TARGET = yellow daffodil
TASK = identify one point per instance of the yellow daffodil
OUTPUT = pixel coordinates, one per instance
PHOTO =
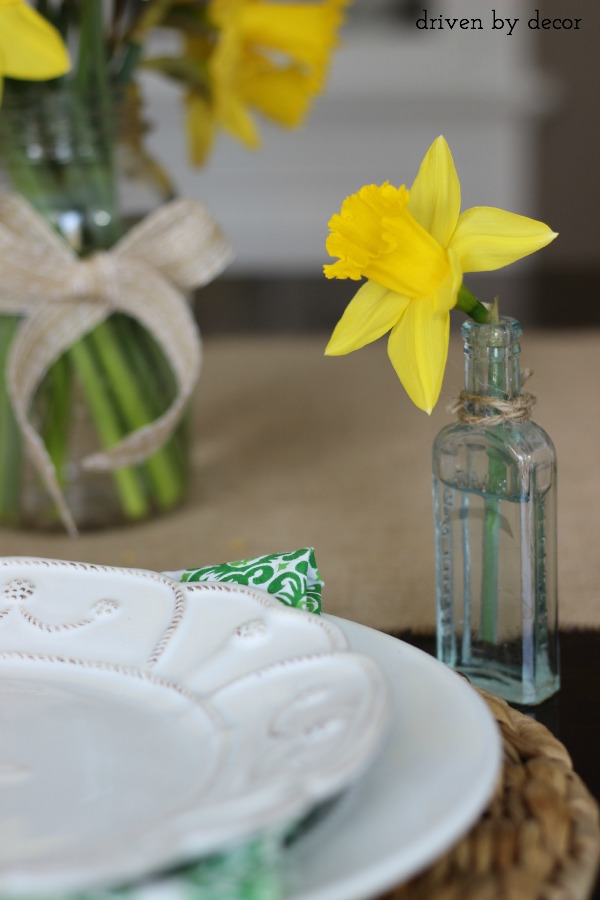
(30, 48)
(269, 57)
(413, 247)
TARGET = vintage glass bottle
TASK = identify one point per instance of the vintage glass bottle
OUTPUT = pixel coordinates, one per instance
(494, 486)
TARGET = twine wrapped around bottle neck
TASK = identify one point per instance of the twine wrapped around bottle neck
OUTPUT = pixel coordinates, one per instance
(516, 409)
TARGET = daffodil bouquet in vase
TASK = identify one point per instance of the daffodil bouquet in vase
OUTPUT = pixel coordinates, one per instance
(494, 469)
(99, 350)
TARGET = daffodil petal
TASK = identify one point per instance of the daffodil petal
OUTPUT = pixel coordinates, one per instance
(271, 58)
(30, 48)
(486, 238)
(304, 32)
(282, 94)
(199, 123)
(235, 119)
(418, 349)
(435, 193)
(371, 313)
(446, 294)
(418, 345)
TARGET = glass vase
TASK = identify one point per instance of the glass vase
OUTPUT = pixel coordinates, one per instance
(81, 163)
(494, 488)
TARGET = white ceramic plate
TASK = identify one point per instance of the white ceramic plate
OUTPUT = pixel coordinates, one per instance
(146, 722)
(430, 782)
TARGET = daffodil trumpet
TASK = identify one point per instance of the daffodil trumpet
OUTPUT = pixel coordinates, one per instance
(413, 247)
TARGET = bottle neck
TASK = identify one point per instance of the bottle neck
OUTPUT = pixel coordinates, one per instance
(492, 359)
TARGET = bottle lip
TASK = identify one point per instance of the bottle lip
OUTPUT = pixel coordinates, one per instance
(505, 333)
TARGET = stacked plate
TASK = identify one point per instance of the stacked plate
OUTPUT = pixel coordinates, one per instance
(147, 723)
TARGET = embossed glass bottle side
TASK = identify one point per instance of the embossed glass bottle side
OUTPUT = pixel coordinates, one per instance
(494, 486)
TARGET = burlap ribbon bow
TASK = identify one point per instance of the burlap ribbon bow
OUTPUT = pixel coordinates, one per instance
(63, 297)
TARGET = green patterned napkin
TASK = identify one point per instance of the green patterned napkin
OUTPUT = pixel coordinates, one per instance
(252, 870)
(292, 577)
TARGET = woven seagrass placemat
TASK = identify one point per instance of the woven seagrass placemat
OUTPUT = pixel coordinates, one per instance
(539, 838)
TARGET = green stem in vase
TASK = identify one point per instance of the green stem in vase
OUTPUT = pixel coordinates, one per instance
(57, 418)
(36, 182)
(148, 362)
(135, 410)
(491, 527)
(10, 438)
(94, 111)
(489, 575)
(128, 481)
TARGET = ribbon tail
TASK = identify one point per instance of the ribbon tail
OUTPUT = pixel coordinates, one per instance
(40, 340)
(164, 312)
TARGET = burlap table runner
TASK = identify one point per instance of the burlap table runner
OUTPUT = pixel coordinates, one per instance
(293, 449)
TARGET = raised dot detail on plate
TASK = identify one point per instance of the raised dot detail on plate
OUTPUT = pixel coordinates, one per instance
(105, 607)
(251, 630)
(18, 590)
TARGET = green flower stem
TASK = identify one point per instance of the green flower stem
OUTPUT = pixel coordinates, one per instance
(153, 371)
(90, 184)
(469, 304)
(131, 57)
(148, 361)
(151, 364)
(91, 70)
(92, 180)
(58, 415)
(135, 410)
(165, 388)
(489, 575)
(31, 181)
(129, 484)
(491, 534)
(10, 438)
